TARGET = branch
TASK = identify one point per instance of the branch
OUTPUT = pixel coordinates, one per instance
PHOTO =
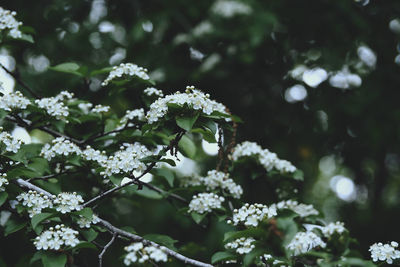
(105, 248)
(136, 180)
(46, 177)
(107, 133)
(121, 233)
(15, 76)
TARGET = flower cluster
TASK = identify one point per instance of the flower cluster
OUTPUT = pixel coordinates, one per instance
(241, 245)
(302, 209)
(330, 229)
(92, 154)
(100, 109)
(56, 237)
(385, 252)
(268, 159)
(84, 222)
(59, 146)
(12, 144)
(67, 202)
(126, 160)
(137, 252)
(55, 106)
(3, 181)
(192, 98)
(35, 202)
(8, 22)
(149, 91)
(126, 69)
(137, 114)
(251, 215)
(344, 79)
(230, 8)
(13, 100)
(304, 242)
(205, 202)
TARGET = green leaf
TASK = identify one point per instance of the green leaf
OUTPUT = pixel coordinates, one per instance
(186, 122)
(13, 225)
(187, 147)
(167, 174)
(251, 232)
(83, 244)
(90, 234)
(3, 197)
(68, 67)
(85, 212)
(38, 218)
(222, 256)
(298, 175)
(145, 192)
(162, 239)
(27, 37)
(197, 217)
(54, 259)
(252, 255)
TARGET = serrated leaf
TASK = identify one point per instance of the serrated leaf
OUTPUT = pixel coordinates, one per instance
(54, 259)
(222, 256)
(162, 239)
(3, 197)
(38, 218)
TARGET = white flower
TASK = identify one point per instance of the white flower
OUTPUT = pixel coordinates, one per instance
(66, 202)
(3, 181)
(13, 100)
(314, 77)
(241, 245)
(84, 222)
(205, 202)
(252, 214)
(60, 146)
(137, 252)
(385, 252)
(55, 106)
(367, 56)
(56, 237)
(130, 115)
(8, 22)
(230, 8)
(193, 98)
(35, 202)
(153, 91)
(302, 209)
(12, 144)
(344, 79)
(126, 69)
(304, 242)
(100, 109)
(267, 159)
(330, 229)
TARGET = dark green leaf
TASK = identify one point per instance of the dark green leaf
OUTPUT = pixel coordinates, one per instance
(68, 67)
(187, 147)
(54, 259)
(38, 218)
(186, 122)
(197, 217)
(85, 212)
(3, 197)
(222, 256)
(161, 239)
(167, 174)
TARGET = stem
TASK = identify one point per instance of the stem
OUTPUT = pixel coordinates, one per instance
(15, 76)
(105, 249)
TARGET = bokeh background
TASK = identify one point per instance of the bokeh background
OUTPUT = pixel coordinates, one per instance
(346, 140)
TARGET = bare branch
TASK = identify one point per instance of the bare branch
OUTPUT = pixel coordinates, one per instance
(105, 249)
(121, 233)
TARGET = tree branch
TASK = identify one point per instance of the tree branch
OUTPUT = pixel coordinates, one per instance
(105, 249)
(15, 76)
(121, 233)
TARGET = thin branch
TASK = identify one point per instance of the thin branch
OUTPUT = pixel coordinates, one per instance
(15, 76)
(136, 180)
(105, 249)
(46, 177)
(107, 133)
(121, 233)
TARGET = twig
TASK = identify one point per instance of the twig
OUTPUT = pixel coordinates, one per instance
(136, 180)
(46, 177)
(121, 233)
(15, 76)
(105, 249)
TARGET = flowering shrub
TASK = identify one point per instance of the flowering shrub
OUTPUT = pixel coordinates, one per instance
(44, 185)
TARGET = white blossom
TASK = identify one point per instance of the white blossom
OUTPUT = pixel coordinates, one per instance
(367, 56)
(267, 159)
(84, 222)
(344, 79)
(35, 202)
(193, 98)
(302, 209)
(66, 202)
(3, 181)
(56, 237)
(330, 229)
(304, 242)
(385, 252)
(12, 144)
(60, 146)
(205, 202)
(8, 22)
(242, 245)
(92, 154)
(230, 8)
(314, 77)
(137, 114)
(55, 106)
(126, 69)
(153, 91)
(252, 214)
(13, 100)
(100, 109)
(139, 253)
